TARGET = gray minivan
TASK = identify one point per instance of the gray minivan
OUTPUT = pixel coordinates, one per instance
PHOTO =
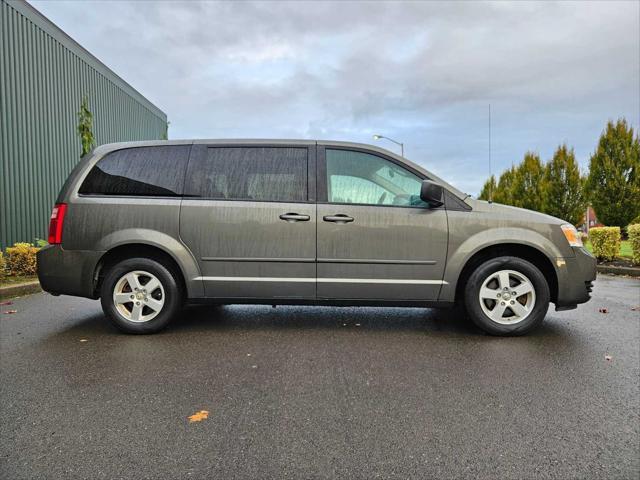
(149, 226)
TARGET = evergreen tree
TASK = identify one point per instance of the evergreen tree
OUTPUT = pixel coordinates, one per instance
(563, 187)
(488, 189)
(504, 191)
(528, 183)
(613, 184)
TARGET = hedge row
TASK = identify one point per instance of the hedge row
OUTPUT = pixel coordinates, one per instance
(633, 231)
(3, 270)
(18, 260)
(606, 242)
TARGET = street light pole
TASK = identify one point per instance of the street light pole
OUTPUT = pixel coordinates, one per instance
(378, 137)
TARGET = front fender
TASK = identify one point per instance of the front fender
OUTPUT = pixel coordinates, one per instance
(178, 251)
(461, 250)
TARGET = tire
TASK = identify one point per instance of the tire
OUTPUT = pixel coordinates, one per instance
(494, 308)
(142, 311)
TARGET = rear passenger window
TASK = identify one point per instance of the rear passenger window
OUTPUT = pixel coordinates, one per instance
(276, 174)
(140, 171)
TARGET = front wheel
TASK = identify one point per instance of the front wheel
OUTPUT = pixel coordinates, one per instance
(140, 295)
(507, 296)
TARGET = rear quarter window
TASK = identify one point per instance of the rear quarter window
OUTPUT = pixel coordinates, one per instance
(139, 171)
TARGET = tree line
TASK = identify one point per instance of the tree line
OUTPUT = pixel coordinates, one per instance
(557, 187)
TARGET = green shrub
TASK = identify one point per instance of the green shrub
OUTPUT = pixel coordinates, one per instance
(21, 259)
(3, 267)
(605, 242)
(634, 238)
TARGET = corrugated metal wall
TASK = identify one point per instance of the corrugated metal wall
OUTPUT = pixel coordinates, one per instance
(44, 75)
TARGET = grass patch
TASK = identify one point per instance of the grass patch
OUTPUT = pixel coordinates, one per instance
(15, 280)
(625, 248)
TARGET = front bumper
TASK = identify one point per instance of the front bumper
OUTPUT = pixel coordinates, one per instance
(575, 279)
(67, 272)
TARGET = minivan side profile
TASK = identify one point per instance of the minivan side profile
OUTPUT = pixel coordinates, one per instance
(149, 226)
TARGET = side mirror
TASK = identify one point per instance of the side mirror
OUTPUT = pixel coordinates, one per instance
(432, 193)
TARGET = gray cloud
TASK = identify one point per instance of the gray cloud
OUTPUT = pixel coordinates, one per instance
(422, 71)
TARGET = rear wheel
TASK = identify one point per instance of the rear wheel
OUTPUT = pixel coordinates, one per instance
(507, 296)
(140, 295)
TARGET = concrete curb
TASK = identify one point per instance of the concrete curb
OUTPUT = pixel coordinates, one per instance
(611, 270)
(19, 289)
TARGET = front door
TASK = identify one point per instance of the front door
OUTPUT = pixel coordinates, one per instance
(376, 239)
(248, 219)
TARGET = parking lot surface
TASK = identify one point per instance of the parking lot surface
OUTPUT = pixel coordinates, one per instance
(311, 392)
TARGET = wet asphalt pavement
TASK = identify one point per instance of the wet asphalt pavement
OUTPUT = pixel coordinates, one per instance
(306, 392)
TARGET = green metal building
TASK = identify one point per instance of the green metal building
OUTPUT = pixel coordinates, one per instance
(44, 75)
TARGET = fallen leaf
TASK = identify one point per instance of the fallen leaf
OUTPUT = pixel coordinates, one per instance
(6, 303)
(199, 416)
(11, 311)
(603, 310)
(608, 358)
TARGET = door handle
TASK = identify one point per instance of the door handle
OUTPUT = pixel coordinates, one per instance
(340, 218)
(294, 217)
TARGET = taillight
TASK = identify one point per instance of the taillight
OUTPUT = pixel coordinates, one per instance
(56, 222)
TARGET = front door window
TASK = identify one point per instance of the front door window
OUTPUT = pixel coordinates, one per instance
(364, 179)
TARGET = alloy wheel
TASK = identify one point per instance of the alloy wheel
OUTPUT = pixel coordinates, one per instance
(138, 296)
(507, 297)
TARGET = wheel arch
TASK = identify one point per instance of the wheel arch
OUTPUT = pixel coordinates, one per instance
(519, 250)
(144, 250)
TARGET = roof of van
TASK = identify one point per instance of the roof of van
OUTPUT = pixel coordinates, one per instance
(102, 149)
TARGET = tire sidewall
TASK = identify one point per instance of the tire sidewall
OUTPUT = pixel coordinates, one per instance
(480, 274)
(172, 294)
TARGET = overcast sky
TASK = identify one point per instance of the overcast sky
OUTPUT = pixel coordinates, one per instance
(421, 72)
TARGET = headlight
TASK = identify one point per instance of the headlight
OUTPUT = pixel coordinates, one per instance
(572, 235)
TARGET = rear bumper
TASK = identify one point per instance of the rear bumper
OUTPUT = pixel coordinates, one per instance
(67, 272)
(575, 279)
